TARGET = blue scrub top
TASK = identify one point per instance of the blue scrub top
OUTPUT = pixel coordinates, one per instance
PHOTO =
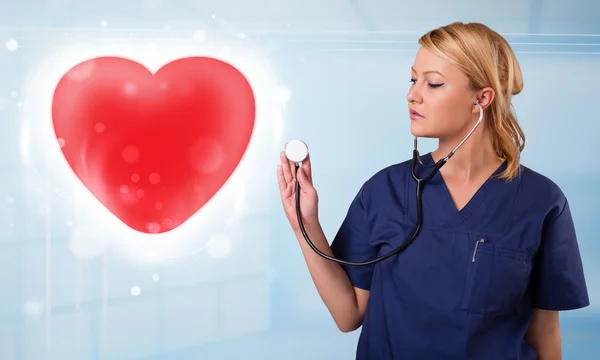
(465, 288)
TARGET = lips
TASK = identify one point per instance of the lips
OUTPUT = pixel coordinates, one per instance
(415, 115)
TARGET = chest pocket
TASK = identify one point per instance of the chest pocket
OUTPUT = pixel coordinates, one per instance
(497, 279)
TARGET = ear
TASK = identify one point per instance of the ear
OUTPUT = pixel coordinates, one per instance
(485, 97)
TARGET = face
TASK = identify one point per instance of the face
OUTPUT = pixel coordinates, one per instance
(440, 101)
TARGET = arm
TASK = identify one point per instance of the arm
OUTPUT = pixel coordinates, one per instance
(344, 291)
(345, 303)
(558, 283)
(543, 334)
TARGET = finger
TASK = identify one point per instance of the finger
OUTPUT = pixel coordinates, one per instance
(280, 179)
(287, 173)
(306, 165)
(285, 190)
(292, 166)
(303, 180)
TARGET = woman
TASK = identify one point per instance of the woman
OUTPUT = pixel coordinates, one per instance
(497, 255)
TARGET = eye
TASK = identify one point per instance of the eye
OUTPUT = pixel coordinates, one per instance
(430, 85)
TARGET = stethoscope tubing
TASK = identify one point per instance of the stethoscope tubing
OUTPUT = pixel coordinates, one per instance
(420, 181)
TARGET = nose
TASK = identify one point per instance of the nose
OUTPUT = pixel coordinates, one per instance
(414, 95)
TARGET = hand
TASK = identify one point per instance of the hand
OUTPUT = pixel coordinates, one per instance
(286, 177)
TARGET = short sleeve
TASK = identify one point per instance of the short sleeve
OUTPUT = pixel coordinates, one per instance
(558, 281)
(351, 243)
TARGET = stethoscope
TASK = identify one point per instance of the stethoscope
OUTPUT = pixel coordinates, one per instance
(296, 151)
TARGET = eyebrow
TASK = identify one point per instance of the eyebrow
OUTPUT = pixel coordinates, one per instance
(428, 71)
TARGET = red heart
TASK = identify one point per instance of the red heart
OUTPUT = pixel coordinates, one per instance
(155, 148)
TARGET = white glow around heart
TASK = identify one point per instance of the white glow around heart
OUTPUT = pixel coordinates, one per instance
(250, 183)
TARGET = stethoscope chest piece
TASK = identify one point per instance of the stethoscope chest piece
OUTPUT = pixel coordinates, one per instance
(296, 151)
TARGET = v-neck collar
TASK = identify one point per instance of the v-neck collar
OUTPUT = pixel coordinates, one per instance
(443, 198)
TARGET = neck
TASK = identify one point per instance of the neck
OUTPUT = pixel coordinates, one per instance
(475, 157)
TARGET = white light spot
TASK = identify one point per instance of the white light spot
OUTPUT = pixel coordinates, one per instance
(10, 200)
(206, 155)
(220, 246)
(130, 154)
(61, 142)
(214, 16)
(167, 223)
(154, 178)
(104, 23)
(135, 291)
(135, 178)
(32, 309)
(130, 88)
(99, 127)
(200, 36)
(13, 93)
(153, 227)
(242, 35)
(12, 44)
(155, 277)
(124, 189)
(158, 205)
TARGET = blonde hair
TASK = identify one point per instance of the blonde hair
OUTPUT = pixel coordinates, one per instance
(488, 61)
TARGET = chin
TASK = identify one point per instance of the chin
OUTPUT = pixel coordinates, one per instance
(422, 132)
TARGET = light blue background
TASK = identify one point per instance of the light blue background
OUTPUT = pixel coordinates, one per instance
(346, 63)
